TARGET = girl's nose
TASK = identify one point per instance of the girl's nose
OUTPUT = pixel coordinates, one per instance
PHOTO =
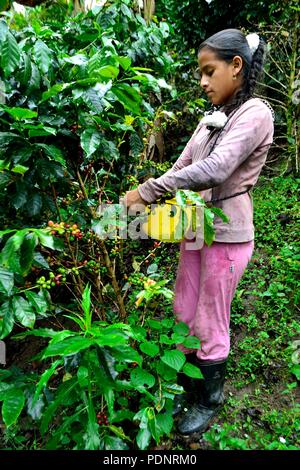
(203, 82)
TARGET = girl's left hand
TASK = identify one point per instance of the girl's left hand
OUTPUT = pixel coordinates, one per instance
(133, 197)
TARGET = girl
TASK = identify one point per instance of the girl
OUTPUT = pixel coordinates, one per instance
(223, 163)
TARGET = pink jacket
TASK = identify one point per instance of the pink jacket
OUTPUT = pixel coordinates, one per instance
(233, 166)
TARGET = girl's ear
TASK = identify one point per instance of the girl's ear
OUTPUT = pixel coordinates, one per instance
(237, 64)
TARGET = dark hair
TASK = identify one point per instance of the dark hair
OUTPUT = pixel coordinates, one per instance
(231, 42)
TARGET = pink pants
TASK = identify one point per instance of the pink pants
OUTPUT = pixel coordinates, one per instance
(205, 285)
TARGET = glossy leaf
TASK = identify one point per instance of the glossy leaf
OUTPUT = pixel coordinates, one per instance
(10, 54)
(149, 348)
(46, 375)
(192, 371)
(6, 319)
(128, 96)
(42, 55)
(67, 346)
(174, 359)
(90, 141)
(86, 306)
(20, 113)
(27, 252)
(12, 406)
(140, 378)
(38, 301)
(6, 281)
(23, 311)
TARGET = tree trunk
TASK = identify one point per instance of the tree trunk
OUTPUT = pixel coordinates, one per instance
(149, 8)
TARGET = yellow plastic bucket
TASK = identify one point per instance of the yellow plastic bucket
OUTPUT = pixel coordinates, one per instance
(169, 222)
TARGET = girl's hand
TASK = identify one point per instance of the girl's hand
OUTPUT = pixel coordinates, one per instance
(133, 197)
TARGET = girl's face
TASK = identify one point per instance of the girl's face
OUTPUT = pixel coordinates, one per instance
(217, 76)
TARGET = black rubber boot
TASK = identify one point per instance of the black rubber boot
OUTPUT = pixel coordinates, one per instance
(210, 399)
(186, 399)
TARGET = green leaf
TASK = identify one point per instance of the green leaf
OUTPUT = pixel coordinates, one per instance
(181, 198)
(125, 62)
(34, 204)
(217, 211)
(93, 97)
(86, 306)
(20, 113)
(164, 339)
(54, 90)
(91, 437)
(167, 323)
(4, 180)
(64, 391)
(44, 380)
(27, 253)
(111, 339)
(68, 346)
(77, 59)
(10, 54)
(41, 332)
(128, 96)
(140, 378)
(191, 342)
(169, 389)
(6, 281)
(209, 233)
(36, 410)
(126, 11)
(114, 443)
(7, 137)
(152, 268)
(83, 375)
(43, 131)
(45, 239)
(10, 254)
(174, 359)
(4, 374)
(20, 169)
(53, 153)
(12, 406)
(127, 354)
(143, 438)
(194, 198)
(154, 324)
(192, 371)
(26, 69)
(90, 140)
(6, 319)
(40, 261)
(181, 328)
(164, 422)
(23, 311)
(177, 339)
(35, 79)
(108, 71)
(19, 199)
(38, 301)
(42, 54)
(295, 369)
(151, 349)
(3, 24)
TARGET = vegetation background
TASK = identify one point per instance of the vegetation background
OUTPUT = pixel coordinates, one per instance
(93, 100)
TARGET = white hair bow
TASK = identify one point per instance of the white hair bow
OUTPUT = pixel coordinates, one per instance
(253, 42)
